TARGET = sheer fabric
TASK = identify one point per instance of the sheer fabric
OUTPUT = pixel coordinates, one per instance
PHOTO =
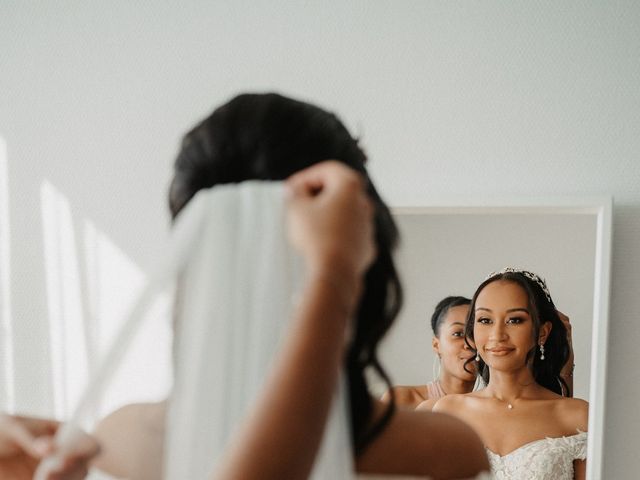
(235, 302)
(545, 459)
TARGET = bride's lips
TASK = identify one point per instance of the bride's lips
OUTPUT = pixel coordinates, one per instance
(500, 351)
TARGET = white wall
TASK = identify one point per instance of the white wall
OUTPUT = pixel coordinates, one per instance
(471, 98)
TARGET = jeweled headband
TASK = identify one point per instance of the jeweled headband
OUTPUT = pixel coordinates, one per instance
(530, 275)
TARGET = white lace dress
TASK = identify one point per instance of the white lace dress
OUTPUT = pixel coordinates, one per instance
(544, 459)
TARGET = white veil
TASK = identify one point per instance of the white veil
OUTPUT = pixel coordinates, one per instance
(235, 302)
(237, 280)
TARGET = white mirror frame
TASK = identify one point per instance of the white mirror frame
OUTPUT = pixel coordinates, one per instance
(602, 208)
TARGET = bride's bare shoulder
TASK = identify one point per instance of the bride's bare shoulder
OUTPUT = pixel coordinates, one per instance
(436, 441)
(574, 412)
(452, 402)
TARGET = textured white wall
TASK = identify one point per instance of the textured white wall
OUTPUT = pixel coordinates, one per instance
(471, 98)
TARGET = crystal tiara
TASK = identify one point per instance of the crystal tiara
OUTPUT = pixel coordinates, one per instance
(530, 275)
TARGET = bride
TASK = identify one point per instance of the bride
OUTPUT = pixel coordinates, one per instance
(530, 431)
(350, 296)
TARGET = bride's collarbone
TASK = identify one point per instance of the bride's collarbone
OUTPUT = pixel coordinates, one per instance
(550, 406)
(504, 430)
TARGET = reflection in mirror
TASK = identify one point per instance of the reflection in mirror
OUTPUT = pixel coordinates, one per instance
(450, 251)
(445, 255)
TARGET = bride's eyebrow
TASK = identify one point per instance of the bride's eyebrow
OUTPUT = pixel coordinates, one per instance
(511, 310)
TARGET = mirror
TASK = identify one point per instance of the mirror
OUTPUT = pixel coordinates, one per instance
(449, 249)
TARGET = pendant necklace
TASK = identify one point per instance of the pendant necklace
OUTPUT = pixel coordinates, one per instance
(509, 404)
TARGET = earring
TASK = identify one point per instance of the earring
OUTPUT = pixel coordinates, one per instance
(542, 351)
(436, 368)
(477, 357)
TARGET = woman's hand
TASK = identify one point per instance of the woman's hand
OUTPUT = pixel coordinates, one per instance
(25, 441)
(567, 370)
(330, 218)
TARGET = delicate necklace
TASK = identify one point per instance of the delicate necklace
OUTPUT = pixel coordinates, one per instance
(509, 404)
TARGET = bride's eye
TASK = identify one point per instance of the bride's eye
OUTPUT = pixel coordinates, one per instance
(515, 320)
(483, 320)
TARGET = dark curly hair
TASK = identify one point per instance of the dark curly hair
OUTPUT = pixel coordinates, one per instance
(542, 309)
(270, 137)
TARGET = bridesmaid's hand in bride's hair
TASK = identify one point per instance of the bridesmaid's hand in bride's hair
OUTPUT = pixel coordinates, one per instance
(567, 325)
(330, 218)
(567, 369)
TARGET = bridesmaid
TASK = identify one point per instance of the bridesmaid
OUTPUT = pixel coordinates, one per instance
(447, 323)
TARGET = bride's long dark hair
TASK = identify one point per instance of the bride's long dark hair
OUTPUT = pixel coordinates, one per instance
(270, 137)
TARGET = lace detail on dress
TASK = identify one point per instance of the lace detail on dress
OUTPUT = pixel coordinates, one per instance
(544, 459)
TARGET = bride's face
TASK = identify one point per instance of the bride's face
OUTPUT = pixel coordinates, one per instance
(503, 327)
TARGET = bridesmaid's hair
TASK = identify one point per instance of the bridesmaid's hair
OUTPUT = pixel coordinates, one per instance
(441, 310)
(541, 309)
(270, 137)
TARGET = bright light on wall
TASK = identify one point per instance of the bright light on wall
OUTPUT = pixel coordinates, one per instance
(67, 332)
(91, 284)
(7, 393)
(113, 282)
